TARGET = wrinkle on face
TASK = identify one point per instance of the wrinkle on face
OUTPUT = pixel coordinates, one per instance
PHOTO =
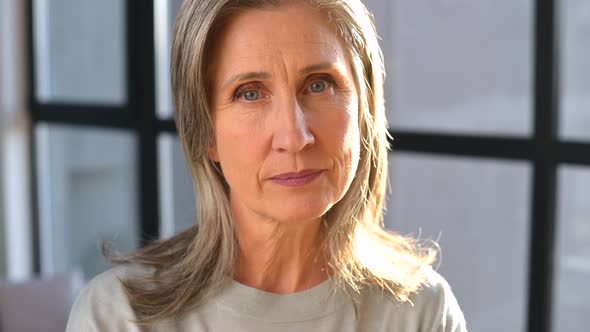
(279, 53)
(274, 47)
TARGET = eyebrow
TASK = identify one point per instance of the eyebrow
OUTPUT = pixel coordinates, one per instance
(316, 67)
(262, 75)
(253, 75)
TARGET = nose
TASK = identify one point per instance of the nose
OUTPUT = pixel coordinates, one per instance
(291, 128)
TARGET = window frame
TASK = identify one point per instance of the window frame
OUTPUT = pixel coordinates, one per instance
(544, 150)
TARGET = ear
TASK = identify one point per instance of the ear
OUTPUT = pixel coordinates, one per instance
(213, 154)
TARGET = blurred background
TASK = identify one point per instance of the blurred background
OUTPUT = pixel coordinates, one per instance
(488, 103)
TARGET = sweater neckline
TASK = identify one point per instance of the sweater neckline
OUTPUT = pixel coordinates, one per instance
(257, 304)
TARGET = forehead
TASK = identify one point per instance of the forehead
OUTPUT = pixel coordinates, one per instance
(296, 30)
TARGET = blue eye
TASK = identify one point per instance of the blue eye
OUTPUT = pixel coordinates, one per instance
(318, 86)
(251, 95)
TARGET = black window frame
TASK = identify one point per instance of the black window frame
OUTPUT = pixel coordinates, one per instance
(543, 150)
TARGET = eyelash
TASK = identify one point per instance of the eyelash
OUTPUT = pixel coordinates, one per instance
(246, 87)
(327, 78)
(258, 86)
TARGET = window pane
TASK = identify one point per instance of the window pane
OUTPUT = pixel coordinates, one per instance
(457, 66)
(165, 13)
(80, 51)
(87, 193)
(177, 197)
(575, 69)
(478, 211)
(572, 304)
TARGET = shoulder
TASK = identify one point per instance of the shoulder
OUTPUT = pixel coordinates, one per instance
(103, 305)
(441, 311)
(432, 308)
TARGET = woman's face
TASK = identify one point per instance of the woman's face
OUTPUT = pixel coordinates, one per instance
(285, 109)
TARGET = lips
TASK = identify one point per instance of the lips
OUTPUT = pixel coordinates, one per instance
(295, 175)
(297, 178)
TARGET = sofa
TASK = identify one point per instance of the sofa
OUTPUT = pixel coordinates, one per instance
(39, 305)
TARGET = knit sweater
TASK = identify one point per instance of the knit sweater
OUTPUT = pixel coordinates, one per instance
(103, 306)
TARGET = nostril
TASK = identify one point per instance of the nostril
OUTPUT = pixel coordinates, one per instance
(292, 140)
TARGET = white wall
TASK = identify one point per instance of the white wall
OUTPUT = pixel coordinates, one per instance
(15, 196)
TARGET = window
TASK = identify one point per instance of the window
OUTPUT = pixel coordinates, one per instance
(488, 106)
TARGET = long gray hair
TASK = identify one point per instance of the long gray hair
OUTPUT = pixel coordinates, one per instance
(191, 266)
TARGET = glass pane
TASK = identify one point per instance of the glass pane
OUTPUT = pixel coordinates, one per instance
(457, 66)
(177, 196)
(478, 210)
(572, 265)
(575, 69)
(165, 12)
(80, 51)
(87, 194)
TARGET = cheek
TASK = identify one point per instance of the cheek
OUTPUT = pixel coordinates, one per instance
(352, 139)
(352, 146)
(340, 131)
(350, 135)
(233, 136)
(239, 150)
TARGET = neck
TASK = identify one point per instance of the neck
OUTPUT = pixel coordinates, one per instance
(279, 257)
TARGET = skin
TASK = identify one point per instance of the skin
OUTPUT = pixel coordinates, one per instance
(283, 100)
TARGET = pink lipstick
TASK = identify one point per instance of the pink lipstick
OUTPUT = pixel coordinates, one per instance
(295, 179)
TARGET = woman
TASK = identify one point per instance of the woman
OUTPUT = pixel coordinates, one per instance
(280, 113)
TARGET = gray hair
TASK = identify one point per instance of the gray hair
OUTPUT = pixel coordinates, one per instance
(193, 265)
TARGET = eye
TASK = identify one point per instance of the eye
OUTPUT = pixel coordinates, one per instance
(318, 86)
(250, 92)
(251, 95)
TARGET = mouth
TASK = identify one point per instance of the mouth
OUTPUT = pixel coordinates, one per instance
(294, 179)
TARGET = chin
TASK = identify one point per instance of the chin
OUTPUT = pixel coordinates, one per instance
(298, 218)
(300, 211)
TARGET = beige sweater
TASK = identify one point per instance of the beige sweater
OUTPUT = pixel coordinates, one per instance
(102, 306)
